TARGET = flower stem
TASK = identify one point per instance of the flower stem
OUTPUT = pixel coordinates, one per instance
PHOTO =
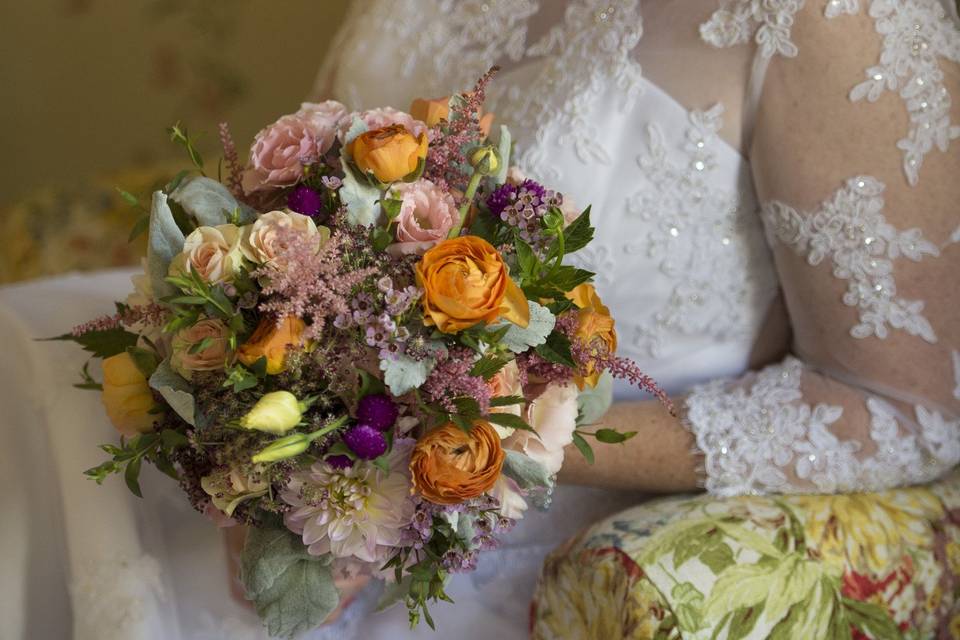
(336, 424)
(467, 201)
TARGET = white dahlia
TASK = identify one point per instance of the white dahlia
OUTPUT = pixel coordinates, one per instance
(356, 512)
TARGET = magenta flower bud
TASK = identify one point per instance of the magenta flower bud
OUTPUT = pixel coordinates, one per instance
(378, 411)
(365, 441)
(305, 200)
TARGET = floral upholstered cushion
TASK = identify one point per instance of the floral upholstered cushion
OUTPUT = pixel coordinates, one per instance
(880, 565)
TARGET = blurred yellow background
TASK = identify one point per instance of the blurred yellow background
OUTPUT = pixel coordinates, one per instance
(90, 85)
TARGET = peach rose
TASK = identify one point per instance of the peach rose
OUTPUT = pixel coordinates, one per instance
(433, 110)
(504, 383)
(553, 415)
(127, 396)
(213, 253)
(449, 465)
(213, 357)
(465, 281)
(272, 342)
(263, 243)
(427, 212)
(595, 328)
(281, 150)
(390, 154)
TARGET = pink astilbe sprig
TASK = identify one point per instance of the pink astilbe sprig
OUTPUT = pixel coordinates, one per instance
(148, 314)
(232, 160)
(446, 161)
(312, 285)
(451, 379)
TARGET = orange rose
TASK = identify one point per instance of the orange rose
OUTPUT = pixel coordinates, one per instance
(390, 153)
(127, 396)
(465, 281)
(450, 465)
(272, 342)
(595, 328)
(433, 110)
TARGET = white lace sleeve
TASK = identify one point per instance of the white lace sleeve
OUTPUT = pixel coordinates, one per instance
(865, 240)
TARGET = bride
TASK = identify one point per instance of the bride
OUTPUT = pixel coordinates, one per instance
(778, 235)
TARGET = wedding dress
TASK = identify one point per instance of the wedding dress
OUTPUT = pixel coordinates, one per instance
(648, 112)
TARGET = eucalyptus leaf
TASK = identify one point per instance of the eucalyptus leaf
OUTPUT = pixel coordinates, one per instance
(360, 197)
(175, 390)
(527, 472)
(165, 242)
(210, 202)
(518, 339)
(292, 591)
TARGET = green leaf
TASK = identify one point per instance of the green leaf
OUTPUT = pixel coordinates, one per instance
(504, 147)
(526, 259)
(585, 450)
(718, 556)
(144, 359)
(165, 243)
(506, 401)
(509, 421)
(404, 374)
(738, 587)
(488, 366)
(566, 277)
(527, 472)
(129, 198)
(139, 227)
(360, 198)
(176, 391)
(872, 619)
(557, 349)
(518, 339)
(102, 344)
(579, 234)
(612, 436)
(391, 207)
(132, 476)
(210, 202)
(292, 591)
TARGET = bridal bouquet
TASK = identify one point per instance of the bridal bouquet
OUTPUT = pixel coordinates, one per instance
(364, 344)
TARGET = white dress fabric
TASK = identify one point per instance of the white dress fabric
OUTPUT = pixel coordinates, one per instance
(687, 257)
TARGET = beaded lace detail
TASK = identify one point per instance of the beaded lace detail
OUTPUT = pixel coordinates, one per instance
(704, 240)
(768, 21)
(852, 232)
(765, 439)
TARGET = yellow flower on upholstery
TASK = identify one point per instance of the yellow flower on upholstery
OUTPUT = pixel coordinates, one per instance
(465, 281)
(390, 154)
(127, 396)
(870, 531)
(595, 328)
(955, 627)
(272, 341)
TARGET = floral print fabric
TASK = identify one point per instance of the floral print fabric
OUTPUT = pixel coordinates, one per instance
(872, 565)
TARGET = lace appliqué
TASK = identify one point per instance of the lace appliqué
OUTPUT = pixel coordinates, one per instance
(852, 232)
(705, 241)
(763, 439)
(768, 21)
(915, 33)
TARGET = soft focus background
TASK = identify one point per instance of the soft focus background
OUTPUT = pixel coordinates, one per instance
(89, 87)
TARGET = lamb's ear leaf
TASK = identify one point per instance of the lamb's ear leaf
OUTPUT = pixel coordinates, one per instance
(176, 391)
(527, 472)
(291, 590)
(210, 202)
(166, 242)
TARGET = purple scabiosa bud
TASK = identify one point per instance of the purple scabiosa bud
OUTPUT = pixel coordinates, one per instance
(365, 441)
(305, 200)
(339, 461)
(378, 411)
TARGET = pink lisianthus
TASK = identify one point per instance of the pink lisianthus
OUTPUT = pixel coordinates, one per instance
(427, 212)
(281, 150)
(384, 117)
(553, 416)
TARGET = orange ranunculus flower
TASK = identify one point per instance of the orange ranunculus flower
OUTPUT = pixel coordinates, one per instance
(272, 341)
(449, 465)
(595, 328)
(127, 396)
(390, 153)
(433, 110)
(465, 281)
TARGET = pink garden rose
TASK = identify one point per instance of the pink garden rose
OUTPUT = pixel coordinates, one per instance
(281, 150)
(427, 212)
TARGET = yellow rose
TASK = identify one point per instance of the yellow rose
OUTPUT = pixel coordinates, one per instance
(595, 328)
(433, 110)
(272, 342)
(449, 465)
(127, 396)
(465, 281)
(390, 153)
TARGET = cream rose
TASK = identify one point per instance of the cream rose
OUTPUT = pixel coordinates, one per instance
(263, 240)
(213, 253)
(213, 357)
(553, 415)
(427, 212)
